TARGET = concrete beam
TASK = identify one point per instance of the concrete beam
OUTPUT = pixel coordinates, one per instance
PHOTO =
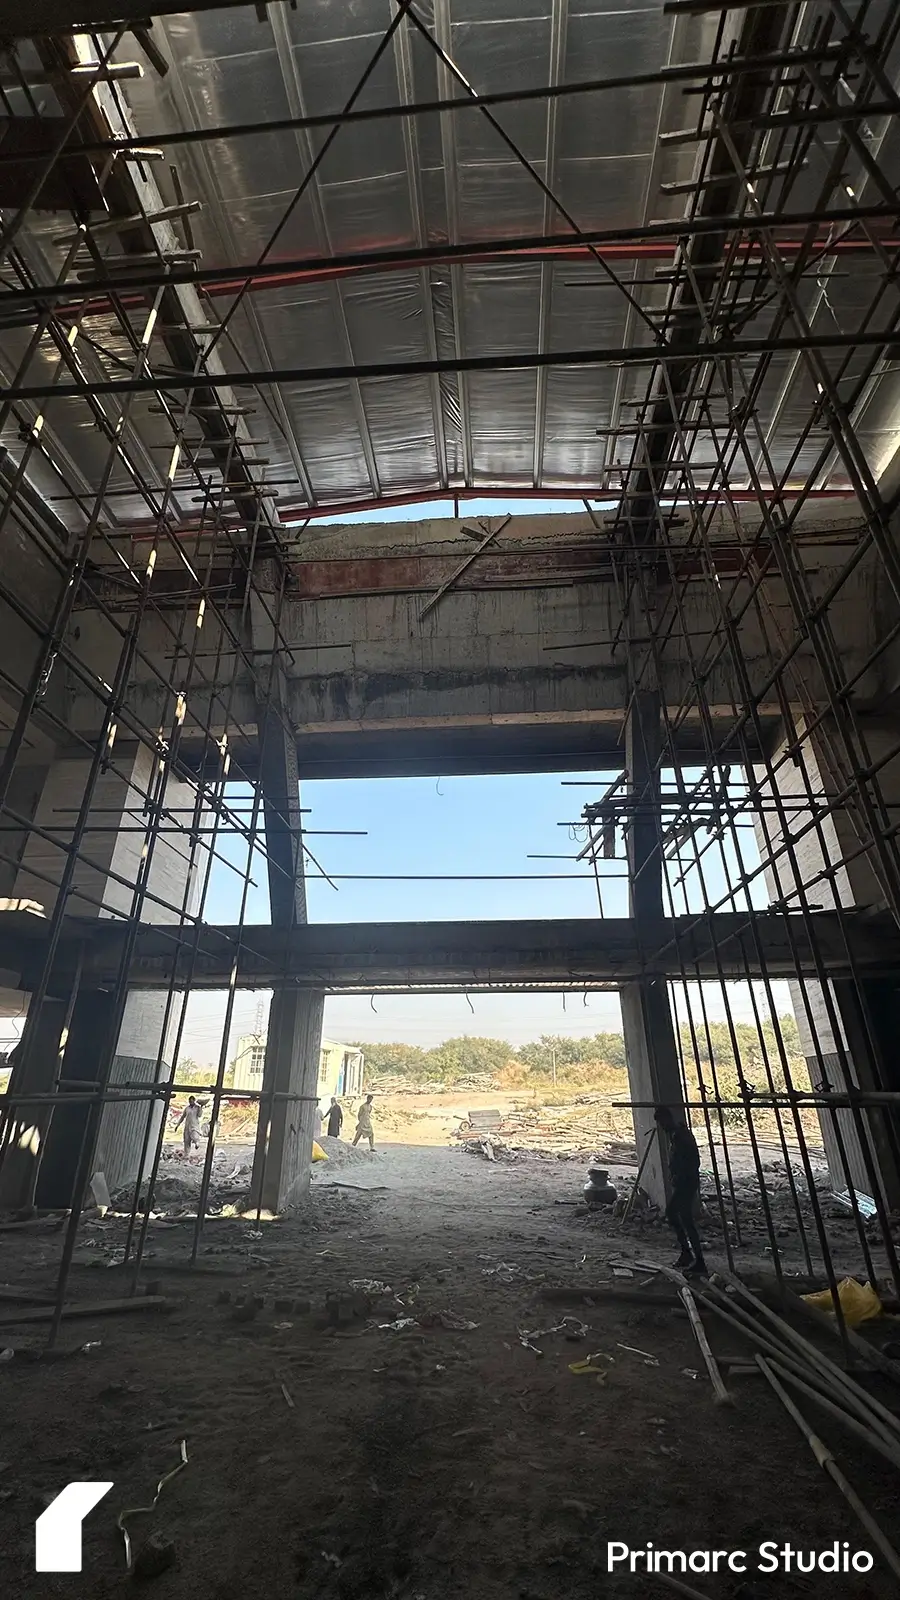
(359, 957)
(516, 664)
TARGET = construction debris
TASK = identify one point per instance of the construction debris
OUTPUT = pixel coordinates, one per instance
(125, 1516)
(828, 1463)
(588, 1368)
(448, 1319)
(572, 1327)
(155, 1556)
(796, 1362)
(510, 1272)
(580, 1131)
(647, 1358)
(858, 1302)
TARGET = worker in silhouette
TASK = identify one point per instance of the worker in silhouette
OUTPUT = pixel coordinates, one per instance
(364, 1129)
(335, 1119)
(684, 1175)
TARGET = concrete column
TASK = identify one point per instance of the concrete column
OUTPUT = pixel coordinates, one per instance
(286, 1128)
(281, 1163)
(651, 1051)
(869, 1013)
(652, 1061)
(72, 1134)
(848, 1030)
(103, 887)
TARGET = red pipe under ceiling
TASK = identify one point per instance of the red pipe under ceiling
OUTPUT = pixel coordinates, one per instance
(620, 250)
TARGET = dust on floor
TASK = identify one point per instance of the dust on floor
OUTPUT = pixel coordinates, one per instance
(419, 1462)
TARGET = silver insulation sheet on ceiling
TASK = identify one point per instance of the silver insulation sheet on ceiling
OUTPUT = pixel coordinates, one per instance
(424, 181)
(434, 179)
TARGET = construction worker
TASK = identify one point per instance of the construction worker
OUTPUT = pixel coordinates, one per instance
(684, 1174)
(190, 1116)
(364, 1129)
(335, 1117)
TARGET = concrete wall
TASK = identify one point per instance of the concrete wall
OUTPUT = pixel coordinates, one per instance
(103, 882)
(36, 582)
(852, 878)
(499, 649)
(103, 887)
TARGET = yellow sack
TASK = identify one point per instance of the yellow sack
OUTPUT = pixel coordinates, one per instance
(859, 1302)
(318, 1154)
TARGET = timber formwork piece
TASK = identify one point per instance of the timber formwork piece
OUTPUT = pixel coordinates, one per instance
(740, 400)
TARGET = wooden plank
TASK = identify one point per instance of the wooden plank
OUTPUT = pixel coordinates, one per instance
(34, 1225)
(21, 1296)
(610, 1292)
(87, 1308)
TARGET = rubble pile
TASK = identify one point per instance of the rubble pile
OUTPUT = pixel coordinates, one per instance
(179, 1180)
(580, 1130)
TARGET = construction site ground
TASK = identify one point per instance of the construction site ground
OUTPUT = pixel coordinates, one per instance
(347, 1460)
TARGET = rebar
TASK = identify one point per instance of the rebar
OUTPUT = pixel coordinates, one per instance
(727, 598)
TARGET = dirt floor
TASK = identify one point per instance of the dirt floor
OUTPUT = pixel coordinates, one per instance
(345, 1460)
(430, 1117)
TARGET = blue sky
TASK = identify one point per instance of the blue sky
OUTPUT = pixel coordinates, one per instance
(433, 828)
(485, 827)
(414, 830)
(467, 508)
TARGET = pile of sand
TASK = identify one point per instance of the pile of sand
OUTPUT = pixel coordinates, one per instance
(341, 1154)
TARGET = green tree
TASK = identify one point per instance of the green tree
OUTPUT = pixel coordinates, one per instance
(396, 1061)
(608, 1048)
(459, 1058)
(574, 1057)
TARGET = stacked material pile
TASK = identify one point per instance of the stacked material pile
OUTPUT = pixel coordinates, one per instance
(582, 1128)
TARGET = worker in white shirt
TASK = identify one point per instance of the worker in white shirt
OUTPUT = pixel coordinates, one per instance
(190, 1116)
(364, 1129)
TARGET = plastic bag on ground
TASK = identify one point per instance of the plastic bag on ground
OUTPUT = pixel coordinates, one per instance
(859, 1302)
(318, 1154)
